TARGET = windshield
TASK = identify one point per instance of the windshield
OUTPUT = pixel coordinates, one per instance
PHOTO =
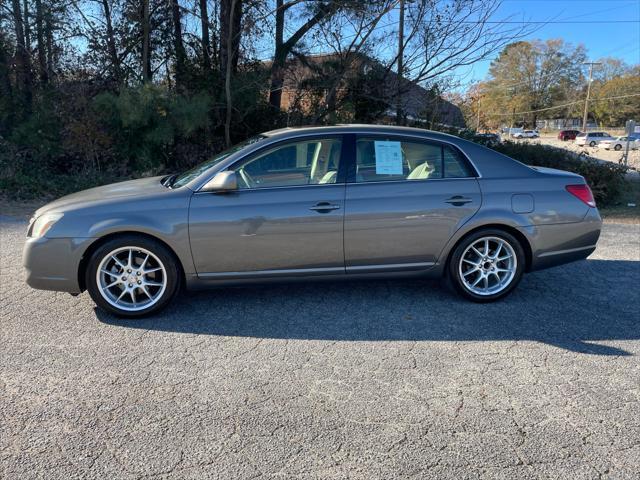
(185, 177)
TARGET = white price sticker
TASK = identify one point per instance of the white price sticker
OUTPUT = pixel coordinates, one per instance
(388, 158)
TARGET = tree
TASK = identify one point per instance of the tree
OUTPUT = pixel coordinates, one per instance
(230, 34)
(230, 13)
(6, 91)
(111, 42)
(145, 23)
(441, 36)
(319, 11)
(40, 34)
(178, 45)
(616, 112)
(23, 59)
(529, 76)
(206, 42)
(609, 68)
(347, 84)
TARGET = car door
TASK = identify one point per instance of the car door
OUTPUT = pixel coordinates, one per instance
(286, 218)
(404, 201)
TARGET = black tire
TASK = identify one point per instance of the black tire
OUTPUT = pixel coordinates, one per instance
(617, 147)
(453, 270)
(592, 144)
(171, 269)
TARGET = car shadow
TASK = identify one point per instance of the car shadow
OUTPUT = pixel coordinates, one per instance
(569, 307)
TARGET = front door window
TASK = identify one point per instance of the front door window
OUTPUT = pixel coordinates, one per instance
(309, 162)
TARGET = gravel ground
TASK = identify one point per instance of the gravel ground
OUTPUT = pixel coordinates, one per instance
(381, 379)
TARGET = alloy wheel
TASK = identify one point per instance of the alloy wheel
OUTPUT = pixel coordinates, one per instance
(131, 278)
(487, 266)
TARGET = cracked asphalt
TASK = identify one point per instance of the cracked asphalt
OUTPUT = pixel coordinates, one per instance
(379, 379)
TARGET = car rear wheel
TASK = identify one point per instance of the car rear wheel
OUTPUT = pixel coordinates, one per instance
(132, 276)
(487, 265)
(592, 144)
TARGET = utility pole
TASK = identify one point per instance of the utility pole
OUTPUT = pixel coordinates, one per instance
(400, 64)
(478, 121)
(586, 102)
(513, 116)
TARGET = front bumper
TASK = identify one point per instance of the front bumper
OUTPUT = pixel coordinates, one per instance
(53, 263)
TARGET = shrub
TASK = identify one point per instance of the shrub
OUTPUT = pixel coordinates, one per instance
(147, 122)
(605, 179)
(24, 176)
(39, 133)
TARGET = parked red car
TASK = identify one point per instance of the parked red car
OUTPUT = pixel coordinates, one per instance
(565, 135)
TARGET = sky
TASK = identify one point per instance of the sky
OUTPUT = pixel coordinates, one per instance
(601, 39)
(605, 28)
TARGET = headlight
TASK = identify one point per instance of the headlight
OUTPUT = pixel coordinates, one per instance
(41, 225)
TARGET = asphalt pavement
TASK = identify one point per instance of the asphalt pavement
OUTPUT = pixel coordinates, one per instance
(367, 380)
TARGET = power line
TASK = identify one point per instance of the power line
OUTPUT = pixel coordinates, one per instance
(528, 22)
(560, 106)
(514, 22)
(569, 1)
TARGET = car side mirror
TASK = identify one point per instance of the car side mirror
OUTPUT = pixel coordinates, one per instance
(226, 181)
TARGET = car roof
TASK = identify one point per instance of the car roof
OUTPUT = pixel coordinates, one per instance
(360, 128)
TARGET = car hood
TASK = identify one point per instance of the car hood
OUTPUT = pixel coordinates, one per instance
(141, 187)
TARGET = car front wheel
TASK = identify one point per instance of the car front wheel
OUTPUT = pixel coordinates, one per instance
(592, 144)
(487, 265)
(132, 276)
(618, 147)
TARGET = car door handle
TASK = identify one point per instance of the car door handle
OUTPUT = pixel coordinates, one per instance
(324, 207)
(458, 200)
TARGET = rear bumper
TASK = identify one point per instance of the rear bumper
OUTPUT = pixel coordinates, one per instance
(52, 263)
(557, 244)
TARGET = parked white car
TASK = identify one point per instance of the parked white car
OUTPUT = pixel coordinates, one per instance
(526, 134)
(620, 143)
(512, 131)
(592, 138)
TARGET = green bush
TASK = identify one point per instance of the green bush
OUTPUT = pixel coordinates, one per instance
(147, 122)
(605, 179)
(46, 187)
(39, 133)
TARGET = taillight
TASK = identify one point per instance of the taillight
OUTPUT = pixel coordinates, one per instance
(583, 192)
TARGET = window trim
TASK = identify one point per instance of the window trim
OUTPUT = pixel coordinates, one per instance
(351, 180)
(341, 175)
(348, 167)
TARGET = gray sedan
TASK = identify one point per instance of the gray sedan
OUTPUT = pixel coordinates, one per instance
(325, 203)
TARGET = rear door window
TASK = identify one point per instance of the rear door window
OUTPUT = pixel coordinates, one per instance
(396, 159)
